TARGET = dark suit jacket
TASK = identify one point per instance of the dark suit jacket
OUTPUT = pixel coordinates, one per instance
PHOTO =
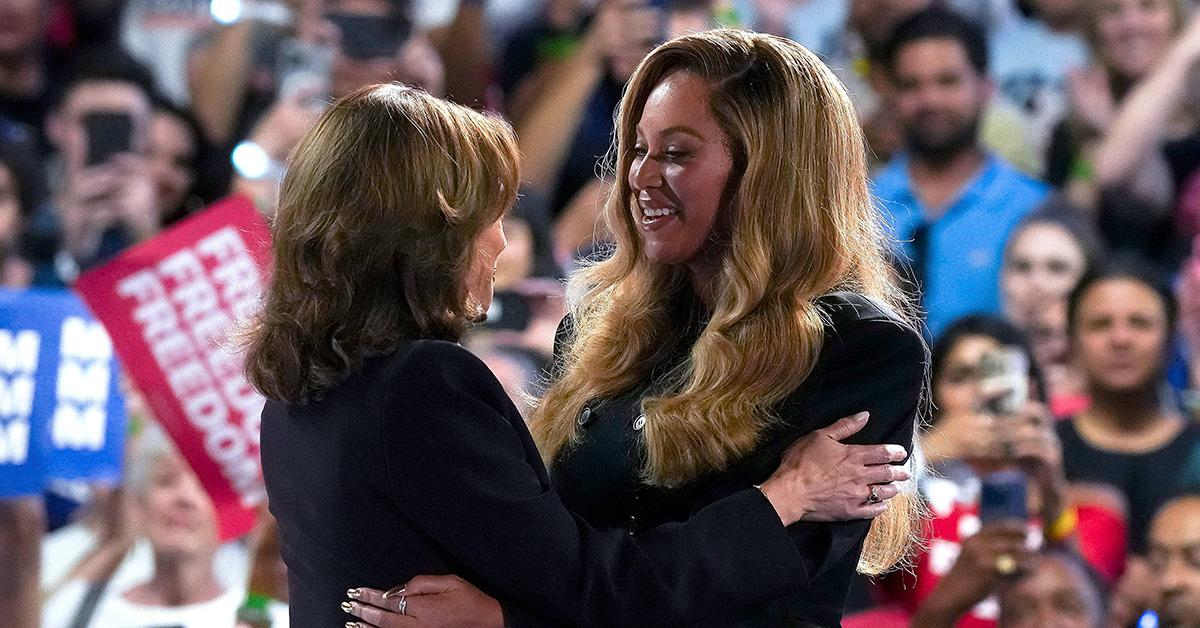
(869, 361)
(420, 464)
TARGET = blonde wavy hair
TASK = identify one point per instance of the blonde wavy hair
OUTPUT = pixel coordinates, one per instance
(804, 225)
(379, 212)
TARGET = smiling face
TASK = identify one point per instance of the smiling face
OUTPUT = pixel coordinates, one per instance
(679, 172)
(1132, 34)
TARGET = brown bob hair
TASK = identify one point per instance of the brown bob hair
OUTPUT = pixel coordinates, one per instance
(374, 234)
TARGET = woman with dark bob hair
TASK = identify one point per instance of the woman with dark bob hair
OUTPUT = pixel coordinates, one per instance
(390, 451)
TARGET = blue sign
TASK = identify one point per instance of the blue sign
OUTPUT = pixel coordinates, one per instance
(61, 411)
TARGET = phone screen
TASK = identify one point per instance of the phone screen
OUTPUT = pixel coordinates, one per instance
(372, 36)
(1004, 381)
(1002, 495)
(108, 133)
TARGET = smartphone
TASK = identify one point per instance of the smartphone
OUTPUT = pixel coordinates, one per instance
(304, 68)
(1004, 381)
(372, 36)
(108, 133)
(509, 311)
(1002, 496)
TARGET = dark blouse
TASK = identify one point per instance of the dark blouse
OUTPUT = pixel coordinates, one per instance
(1147, 480)
(869, 361)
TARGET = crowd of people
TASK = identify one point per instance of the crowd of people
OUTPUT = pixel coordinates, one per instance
(1036, 163)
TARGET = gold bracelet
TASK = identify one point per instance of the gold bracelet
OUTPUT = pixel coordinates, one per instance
(1064, 526)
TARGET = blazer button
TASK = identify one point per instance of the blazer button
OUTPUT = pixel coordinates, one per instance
(585, 417)
(639, 423)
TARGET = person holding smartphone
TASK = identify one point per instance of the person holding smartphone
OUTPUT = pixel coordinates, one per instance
(996, 471)
(104, 193)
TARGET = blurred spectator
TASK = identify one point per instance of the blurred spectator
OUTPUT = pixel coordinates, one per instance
(1152, 151)
(1057, 590)
(22, 192)
(1032, 57)
(965, 442)
(22, 523)
(1168, 582)
(1121, 319)
(179, 522)
(1052, 589)
(174, 154)
(1129, 185)
(104, 197)
(949, 200)
(553, 34)
(240, 71)
(1175, 561)
(852, 36)
(1046, 255)
(28, 78)
(409, 58)
(569, 126)
(161, 33)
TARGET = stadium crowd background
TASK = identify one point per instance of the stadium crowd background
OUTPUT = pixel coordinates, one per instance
(1037, 160)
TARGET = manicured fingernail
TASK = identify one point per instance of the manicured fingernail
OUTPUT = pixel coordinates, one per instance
(861, 416)
(351, 624)
(353, 594)
(393, 592)
(348, 607)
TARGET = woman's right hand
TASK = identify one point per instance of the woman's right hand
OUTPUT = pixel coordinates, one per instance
(822, 479)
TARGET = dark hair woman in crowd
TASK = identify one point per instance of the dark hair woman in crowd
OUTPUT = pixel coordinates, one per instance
(1132, 437)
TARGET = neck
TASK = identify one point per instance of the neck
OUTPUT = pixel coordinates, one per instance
(938, 182)
(957, 167)
(183, 581)
(1126, 412)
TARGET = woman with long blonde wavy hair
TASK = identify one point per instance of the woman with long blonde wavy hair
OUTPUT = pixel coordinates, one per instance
(746, 303)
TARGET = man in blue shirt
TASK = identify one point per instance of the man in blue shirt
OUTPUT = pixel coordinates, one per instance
(949, 202)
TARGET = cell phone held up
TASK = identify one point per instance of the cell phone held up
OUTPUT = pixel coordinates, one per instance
(108, 133)
(1003, 381)
(1003, 495)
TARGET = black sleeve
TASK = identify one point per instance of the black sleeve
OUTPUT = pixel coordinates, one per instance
(878, 366)
(459, 466)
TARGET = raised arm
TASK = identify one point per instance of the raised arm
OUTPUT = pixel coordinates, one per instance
(1130, 148)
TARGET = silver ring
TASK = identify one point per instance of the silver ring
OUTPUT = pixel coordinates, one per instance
(873, 497)
(403, 605)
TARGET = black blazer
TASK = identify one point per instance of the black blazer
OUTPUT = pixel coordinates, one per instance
(870, 360)
(420, 464)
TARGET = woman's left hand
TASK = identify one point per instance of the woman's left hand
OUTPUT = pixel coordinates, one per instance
(425, 601)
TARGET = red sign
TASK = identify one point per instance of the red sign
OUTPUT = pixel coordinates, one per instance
(168, 305)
